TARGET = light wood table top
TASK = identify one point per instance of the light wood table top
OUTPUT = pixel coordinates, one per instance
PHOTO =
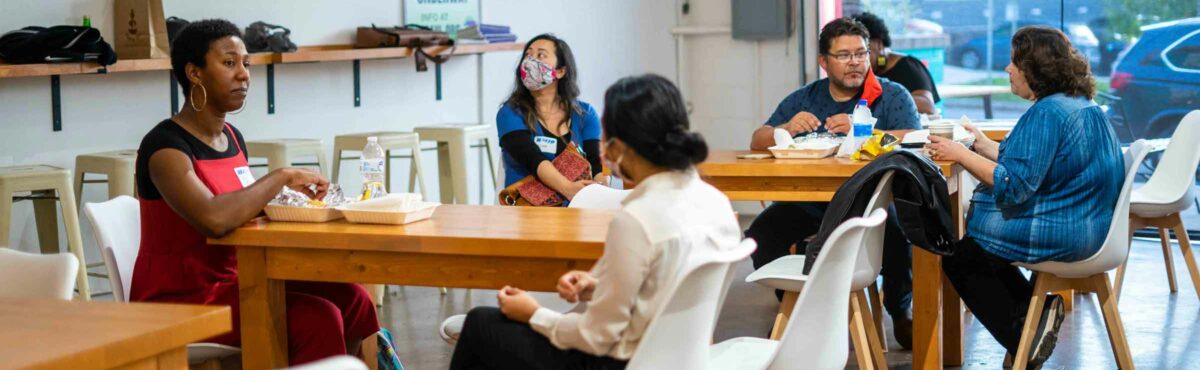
(809, 180)
(453, 229)
(46, 334)
(462, 246)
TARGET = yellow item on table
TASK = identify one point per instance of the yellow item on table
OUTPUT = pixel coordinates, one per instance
(879, 143)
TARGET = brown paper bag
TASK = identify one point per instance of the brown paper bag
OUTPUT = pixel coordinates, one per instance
(140, 29)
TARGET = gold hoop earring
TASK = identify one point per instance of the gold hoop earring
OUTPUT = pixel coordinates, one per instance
(192, 97)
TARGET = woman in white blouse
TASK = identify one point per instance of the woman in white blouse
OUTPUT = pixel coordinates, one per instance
(670, 215)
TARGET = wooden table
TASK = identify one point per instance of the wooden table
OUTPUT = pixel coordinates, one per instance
(45, 334)
(462, 246)
(947, 91)
(934, 301)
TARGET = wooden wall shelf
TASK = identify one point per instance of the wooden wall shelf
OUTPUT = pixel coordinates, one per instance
(307, 54)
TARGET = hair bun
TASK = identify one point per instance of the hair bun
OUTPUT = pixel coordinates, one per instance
(683, 148)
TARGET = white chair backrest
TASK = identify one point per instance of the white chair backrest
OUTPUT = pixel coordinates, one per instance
(870, 260)
(816, 334)
(1116, 244)
(1174, 176)
(117, 228)
(342, 362)
(38, 276)
(598, 196)
(680, 332)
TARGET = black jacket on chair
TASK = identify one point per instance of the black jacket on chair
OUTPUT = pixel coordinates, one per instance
(919, 194)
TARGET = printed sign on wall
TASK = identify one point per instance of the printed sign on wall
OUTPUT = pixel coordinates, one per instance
(441, 15)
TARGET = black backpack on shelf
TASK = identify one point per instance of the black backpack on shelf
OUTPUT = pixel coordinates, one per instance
(32, 45)
(262, 37)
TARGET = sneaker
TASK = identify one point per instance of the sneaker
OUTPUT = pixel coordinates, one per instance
(452, 328)
(1046, 336)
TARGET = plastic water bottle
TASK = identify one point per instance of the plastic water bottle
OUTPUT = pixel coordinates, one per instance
(863, 122)
(372, 169)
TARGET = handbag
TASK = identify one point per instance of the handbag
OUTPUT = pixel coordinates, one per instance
(530, 191)
(261, 36)
(411, 36)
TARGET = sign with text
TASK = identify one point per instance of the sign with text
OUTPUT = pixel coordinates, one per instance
(441, 15)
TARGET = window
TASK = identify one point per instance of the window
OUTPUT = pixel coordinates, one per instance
(1184, 55)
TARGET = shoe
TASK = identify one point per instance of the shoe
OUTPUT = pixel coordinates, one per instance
(1046, 336)
(451, 328)
(902, 329)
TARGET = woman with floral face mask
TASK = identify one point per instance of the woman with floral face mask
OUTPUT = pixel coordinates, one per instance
(666, 226)
(542, 116)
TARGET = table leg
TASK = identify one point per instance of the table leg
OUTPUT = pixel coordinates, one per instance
(263, 312)
(927, 310)
(987, 106)
(952, 312)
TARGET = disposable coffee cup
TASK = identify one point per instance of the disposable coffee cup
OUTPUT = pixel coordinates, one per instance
(943, 129)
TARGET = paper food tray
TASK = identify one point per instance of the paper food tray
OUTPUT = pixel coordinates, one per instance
(422, 211)
(786, 153)
(301, 214)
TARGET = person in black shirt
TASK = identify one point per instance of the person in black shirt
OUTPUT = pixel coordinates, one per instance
(901, 68)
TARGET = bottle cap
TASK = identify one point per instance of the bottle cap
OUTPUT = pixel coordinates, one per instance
(372, 139)
(862, 101)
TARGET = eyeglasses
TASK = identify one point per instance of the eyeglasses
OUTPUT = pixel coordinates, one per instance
(844, 58)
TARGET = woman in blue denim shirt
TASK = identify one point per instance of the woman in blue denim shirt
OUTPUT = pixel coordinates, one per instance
(1047, 193)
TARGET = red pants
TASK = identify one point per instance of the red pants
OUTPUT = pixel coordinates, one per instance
(321, 318)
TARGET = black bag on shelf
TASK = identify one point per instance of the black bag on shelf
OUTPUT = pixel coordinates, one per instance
(262, 37)
(32, 45)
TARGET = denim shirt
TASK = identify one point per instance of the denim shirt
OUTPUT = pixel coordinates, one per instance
(1057, 178)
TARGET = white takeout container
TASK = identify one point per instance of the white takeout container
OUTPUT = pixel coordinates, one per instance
(395, 216)
(786, 152)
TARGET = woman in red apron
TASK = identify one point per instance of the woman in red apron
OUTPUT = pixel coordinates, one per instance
(194, 182)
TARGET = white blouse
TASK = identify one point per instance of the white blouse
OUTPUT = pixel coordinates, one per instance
(666, 219)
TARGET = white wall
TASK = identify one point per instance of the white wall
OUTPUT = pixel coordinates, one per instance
(611, 39)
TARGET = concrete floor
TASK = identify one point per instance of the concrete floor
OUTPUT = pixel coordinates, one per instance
(1163, 330)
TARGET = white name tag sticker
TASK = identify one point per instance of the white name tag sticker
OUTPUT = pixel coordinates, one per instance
(547, 145)
(244, 175)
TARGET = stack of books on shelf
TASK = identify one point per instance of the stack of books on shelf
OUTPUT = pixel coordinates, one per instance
(476, 33)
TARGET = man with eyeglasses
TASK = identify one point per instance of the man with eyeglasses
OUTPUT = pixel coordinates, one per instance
(825, 106)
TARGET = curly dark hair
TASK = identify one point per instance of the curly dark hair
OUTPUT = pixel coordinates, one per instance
(875, 27)
(192, 43)
(844, 26)
(521, 99)
(1050, 63)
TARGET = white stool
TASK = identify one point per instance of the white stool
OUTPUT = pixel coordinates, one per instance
(279, 152)
(453, 140)
(44, 182)
(389, 141)
(116, 166)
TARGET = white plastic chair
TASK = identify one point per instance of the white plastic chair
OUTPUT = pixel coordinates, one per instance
(816, 337)
(40, 276)
(598, 196)
(1166, 195)
(342, 362)
(1089, 275)
(677, 337)
(117, 228)
(866, 327)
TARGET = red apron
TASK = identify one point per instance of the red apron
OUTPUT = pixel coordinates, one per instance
(176, 263)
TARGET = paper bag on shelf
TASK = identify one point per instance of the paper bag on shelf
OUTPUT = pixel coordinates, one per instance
(140, 29)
